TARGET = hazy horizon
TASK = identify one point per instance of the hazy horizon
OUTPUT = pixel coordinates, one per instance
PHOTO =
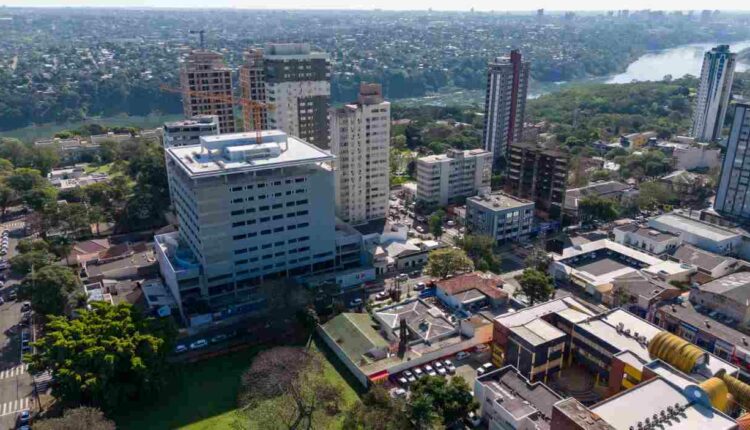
(440, 5)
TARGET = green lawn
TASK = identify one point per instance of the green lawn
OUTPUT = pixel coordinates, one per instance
(202, 396)
(104, 168)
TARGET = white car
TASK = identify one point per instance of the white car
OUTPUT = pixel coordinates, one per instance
(399, 392)
(179, 349)
(198, 344)
(438, 364)
(381, 295)
(486, 367)
(418, 372)
(402, 277)
(403, 381)
(441, 371)
(420, 286)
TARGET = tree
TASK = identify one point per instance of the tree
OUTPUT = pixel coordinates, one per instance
(447, 261)
(377, 411)
(83, 418)
(23, 263)
(6, 198)
(538, 259)
(24, 179)
(29, 245)
(450, 401)
(105, 356)
(595, 208)
(49, 288)
(285, 388)
(436, 222)
(309, 320)
(480, 248)
(653, 194)
(41, 197)
(536, 286)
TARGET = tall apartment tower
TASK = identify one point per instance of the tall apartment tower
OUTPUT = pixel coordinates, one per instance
(296, 82)
(505, 103)
(540, 175)
(733, 193)
(714, 90)
(360, 140)
(249, 213)
(206, 80)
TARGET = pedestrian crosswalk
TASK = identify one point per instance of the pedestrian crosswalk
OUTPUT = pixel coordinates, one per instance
(15, 406)
(14, 371)
(13, 225)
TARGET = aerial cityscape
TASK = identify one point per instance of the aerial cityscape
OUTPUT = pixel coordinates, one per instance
(374, 219)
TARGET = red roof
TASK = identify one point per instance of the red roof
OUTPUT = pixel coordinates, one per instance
(488, 284)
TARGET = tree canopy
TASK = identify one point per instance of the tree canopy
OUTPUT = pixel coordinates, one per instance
(435, 400)
(49, 288)
(105, 356)
(447, 261)
(480, 249)
(536, 286)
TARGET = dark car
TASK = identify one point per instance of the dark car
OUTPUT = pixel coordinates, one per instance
(25, 307)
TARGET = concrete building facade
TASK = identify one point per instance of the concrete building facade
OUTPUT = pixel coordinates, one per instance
(248, 213)
(733, 193)
(296, 83)
(540, 175)
(505, 103)
(206, 83)
(360, 140)
(712, 100)
(501, 216)
(189, 131)
(448, 178)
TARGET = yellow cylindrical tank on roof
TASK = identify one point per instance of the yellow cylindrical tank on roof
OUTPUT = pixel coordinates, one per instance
(739, 389)
(676, 351)
(717, 391)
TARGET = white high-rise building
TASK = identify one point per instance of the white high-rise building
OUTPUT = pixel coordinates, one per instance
(296, 82)
(505, 103)
(207, 88)
(733, 192)
(449, 178)
(713, 96)
(248, 212)
(360, 140)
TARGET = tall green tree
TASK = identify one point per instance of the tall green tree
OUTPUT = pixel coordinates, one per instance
(49, 289)
(538, 259)
(480, 248)
(595, 208)
(22, 264)
(7, 195)
(536, 286)
(450, 401)
(435, 222)
(105, 356)
(447, 261)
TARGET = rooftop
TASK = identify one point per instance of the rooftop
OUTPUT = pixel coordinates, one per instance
(424, 321)
(566, 307)
(705, 260)
(693, 226)
(454, 155)
(647, 233)
(623, 331)
(486, 283)
(735, 287)
(582, 416)
(519, 397)
(240, 152)
(648, 399)
(355, 335)
(499, 201)
(537, 332)
(641, 284)
(685, 312)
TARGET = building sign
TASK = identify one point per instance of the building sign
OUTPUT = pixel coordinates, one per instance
(687, 327)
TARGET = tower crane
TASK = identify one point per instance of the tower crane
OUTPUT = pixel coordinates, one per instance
(250, 108)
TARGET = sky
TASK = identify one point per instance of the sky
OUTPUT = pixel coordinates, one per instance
(479, 5)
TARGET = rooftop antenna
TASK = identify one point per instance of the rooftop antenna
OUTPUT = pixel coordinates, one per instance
(201, 34)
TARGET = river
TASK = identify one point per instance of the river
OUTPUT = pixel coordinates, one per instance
(678, 62)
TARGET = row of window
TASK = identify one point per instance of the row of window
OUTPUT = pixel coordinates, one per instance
(268, 184)
(270, 207)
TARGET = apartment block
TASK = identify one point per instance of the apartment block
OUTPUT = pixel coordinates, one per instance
(360, 140)
(713, 96)
(249, 213)
(538, 174)
(189, 131)
(501, 216)
(505, 103)
(449, 178)
(296, 84)
(206, 83)
(733, 193)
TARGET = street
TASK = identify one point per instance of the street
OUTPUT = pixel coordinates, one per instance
(16, 384)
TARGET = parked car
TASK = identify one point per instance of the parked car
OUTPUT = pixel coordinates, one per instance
(26, 306)
(418, 372)
(474, 419)
(219, 338)
(355, 303)
(486, 367)
(482, 347)
(420, 286)
(449, 366)
(381, 295)
(441, 371)
(198, 344)
(402, 277)
(409, 376)
(438, 364)
(461, 355)
(399, 392)
(179, 349)
(415, 273)
(403, 381)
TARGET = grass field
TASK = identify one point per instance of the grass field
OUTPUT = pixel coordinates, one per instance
(203, 395)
